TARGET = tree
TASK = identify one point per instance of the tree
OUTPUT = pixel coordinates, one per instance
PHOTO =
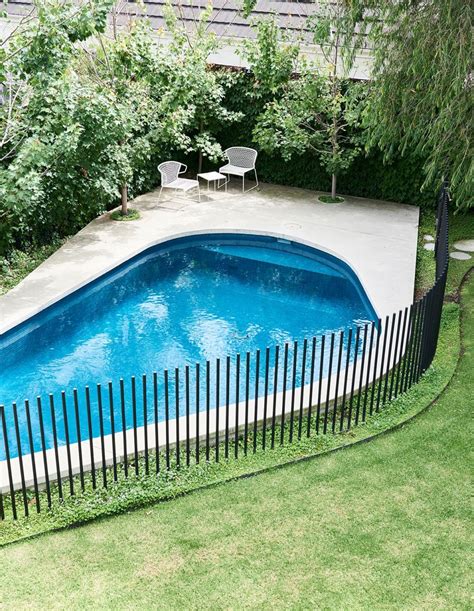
(205, 87)
(313, 116)
(86, 116)
(148, 108)
(35, 124)
(320, 109)
(422, 92)
(273, 60)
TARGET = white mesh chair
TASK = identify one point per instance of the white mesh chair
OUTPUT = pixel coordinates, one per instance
(170, 178)
(241, 160)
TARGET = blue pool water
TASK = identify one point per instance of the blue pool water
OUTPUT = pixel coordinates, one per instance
(181, 303)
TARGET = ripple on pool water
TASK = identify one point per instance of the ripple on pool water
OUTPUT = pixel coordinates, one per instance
(183, 302)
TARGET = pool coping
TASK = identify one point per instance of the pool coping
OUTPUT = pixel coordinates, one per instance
(65, 272)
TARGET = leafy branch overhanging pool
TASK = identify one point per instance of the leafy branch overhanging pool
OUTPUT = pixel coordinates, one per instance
(187, 301)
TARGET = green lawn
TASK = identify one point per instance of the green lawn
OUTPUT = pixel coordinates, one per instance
(385, 524)
(21, 263)
(461, 226)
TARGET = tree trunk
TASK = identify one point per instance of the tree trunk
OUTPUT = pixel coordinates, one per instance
(200, 156)
(335, 92)
(114, 21)
(124, 196)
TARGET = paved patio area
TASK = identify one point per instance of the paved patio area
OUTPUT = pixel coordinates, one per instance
(377, 239)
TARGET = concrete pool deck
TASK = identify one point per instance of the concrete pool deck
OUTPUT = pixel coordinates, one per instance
(377, 239)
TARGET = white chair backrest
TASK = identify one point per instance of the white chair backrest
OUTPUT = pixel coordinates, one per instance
(169, 171)
(241, 156)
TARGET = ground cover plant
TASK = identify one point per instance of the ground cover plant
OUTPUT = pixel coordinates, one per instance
(22, 262)
(381, 525)
(131, 214)
(461, 227)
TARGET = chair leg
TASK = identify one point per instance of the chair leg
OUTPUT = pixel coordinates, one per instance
(251, 188)
(159, 194)
(224, 184)
(199, 193)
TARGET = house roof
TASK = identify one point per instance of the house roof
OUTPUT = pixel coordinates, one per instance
(226, 21)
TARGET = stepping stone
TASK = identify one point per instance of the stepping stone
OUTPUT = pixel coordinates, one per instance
(429, 246)
(467, 245)
(461, 256)
(428, 238)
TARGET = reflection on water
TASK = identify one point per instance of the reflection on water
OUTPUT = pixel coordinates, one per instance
(180, 306)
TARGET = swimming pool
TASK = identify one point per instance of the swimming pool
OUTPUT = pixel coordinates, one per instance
(187, 301)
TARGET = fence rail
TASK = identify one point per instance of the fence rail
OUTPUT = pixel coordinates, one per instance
(233, 406)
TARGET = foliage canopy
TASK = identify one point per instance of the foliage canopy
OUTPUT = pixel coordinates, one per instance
(87, 114)
(318, 109)
(423, 88)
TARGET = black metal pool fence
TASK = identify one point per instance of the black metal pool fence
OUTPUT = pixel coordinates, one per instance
(324, 384)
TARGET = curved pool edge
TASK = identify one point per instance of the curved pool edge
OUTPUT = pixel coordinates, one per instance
(377, 239)
(11, 325)
(312, 233)
(14, 326)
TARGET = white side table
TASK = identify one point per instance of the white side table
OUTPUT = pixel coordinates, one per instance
(214, 177)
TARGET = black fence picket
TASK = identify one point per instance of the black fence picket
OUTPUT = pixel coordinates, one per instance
(43, 452)
(342, 379)
(275, 393)
(311, 387)
(156, 419)
(208, 410)
(361, 375)
(20, 460)
(283, 402)
(265, 398)
(338, 376)
(302, 384)
(6, 447)
(218, 383)
(354, 373)
(145, 423)
(112, 430)
(56, 446)
(79, 438)
(33, 458)
(320, 382)
(237, 400)
(177, 414)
